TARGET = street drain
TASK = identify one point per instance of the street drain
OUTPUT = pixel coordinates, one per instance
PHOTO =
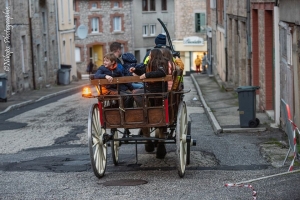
(125, 182)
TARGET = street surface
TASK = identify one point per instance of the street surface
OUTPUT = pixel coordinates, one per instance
(44, 155)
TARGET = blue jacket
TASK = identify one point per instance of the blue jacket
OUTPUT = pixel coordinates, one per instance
(103, 71)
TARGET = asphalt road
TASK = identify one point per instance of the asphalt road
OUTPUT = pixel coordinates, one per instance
(44, 155)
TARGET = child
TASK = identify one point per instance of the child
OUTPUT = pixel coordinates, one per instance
(171, 65)
(156, 67)
(130, 61)
(109, 70)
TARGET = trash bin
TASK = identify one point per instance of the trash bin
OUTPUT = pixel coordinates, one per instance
(3, 79)
(64, 76)
(247, 106)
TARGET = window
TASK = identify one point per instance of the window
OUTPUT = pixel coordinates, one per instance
(69, 11)
(63, 52)
(38, 58)
(75, 22)
(152, 29)
(44, 22)
(71, 52)
(95, 25)
(62, 11)
(94, 6)
(117, 23)
(289, 42)
(145, 30)
(36, 6)
(163, 30)
(116, 4)
(152, 5)
(200, 22)
(23, 50)
(163, 4)
(145, 5)
(77, 54)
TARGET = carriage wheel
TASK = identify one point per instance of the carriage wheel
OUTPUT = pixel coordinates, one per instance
(97, 147)
(181, 134)
(115, 145)
(188, 155)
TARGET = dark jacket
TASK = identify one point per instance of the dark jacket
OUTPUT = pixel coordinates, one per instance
(153, 87)
(129, 61)
(103, 71)
(159, 46)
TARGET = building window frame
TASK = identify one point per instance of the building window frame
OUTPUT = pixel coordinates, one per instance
(95, 24)
(23, 52)
(152, 5)
(94, 5)
(62, 11)
(117, 24)
(152, 29)
(164, 5)
(144, 5)
(145, 30)
(200, 26)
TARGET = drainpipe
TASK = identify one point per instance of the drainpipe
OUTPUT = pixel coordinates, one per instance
(249, 56)
(57, 32)
(276, 64)
(132, 28)
(225, 37)
(31, 44)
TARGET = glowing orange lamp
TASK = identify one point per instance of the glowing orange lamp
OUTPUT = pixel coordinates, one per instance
(86, 92)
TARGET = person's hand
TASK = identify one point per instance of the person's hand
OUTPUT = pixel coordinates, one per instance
(109, 78)
(143, 76)
(131, 69)
(133, 74)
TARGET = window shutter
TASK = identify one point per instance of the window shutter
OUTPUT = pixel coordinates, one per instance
(197, 22)
(202, 22)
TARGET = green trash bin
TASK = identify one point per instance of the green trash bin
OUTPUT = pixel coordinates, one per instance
(247, 106)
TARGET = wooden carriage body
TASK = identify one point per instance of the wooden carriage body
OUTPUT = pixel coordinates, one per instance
(114, 115)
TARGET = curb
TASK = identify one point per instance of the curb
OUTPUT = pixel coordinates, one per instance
(15, 106)
(215, 124)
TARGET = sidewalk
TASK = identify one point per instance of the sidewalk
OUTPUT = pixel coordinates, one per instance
(29, 97)
(221, 106)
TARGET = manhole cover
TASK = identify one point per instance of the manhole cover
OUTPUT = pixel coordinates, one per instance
(125, 182)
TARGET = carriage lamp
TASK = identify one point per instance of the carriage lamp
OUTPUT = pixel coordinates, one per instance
(86, 92)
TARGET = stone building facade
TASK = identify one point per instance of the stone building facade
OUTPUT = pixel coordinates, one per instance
(65, 31)
(238, 65)
(146, 26)
(17, 63)
(190, 31)
(107, 22)
(289, 56)
(44, 43)
(33, 43)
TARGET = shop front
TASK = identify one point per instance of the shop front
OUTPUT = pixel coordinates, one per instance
(191, 50)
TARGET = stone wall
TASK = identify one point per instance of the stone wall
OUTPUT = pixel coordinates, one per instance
(185, 17)
(238, 72)
(105, 37)
(44, 43)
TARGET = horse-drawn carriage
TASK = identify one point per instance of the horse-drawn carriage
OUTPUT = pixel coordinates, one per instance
(109, 113)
